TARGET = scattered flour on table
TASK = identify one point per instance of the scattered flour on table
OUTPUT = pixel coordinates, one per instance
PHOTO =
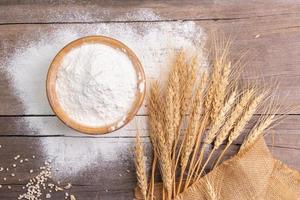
(27, 67)
(96, 84)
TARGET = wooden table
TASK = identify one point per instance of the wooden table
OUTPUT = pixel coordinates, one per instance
(269, 30)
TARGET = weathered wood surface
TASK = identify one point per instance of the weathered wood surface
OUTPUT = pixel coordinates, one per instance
(102, 177)
(14, 11)
(278, 42)
(284, 135)
(270, 30)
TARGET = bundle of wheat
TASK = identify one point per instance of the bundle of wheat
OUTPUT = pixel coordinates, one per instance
(196, 111)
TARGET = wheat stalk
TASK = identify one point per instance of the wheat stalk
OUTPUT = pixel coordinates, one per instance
(215, 100)
(208, 102)
(194, 122)
(179, 91)
(152, 180)
(158, 139)
(192, 130)
(140, 166)
(154, 100)
(214, 130)
(225, 130)
(215, 95)
(165, 166)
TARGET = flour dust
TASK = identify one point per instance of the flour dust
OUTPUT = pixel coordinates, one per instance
(153, 43)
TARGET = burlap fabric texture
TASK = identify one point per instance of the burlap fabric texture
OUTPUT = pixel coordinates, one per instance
(252, 174)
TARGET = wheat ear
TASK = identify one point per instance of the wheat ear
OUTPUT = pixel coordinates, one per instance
(173, 101)
(263, 123)
(241, 123)
(233, 117)
(154, 114)
(220, 119)
(188, 80)
(257, 131)
(220, 90)
(248, 113)
(140, 166)
(158, 138)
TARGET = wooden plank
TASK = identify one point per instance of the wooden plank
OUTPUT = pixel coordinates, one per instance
(81, 191)
(273, 43)
(111, 173)
(97, 11)
(285, 134)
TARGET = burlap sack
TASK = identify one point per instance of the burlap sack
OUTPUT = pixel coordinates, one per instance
(252, 174)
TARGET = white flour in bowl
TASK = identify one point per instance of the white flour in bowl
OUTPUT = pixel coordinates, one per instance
(96, 84)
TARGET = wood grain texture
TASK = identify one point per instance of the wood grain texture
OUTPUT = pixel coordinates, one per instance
(284, 135)
(14, 11)
(268, 30)
(272, 43)
(108, 177)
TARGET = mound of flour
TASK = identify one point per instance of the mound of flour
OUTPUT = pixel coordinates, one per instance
(152, 42)
(96, 84)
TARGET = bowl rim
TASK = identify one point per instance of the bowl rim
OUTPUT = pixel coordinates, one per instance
(51, 85)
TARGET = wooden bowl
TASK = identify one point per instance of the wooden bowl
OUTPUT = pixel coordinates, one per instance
(51, 85)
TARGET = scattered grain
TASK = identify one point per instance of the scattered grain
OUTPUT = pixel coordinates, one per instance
(17, 157)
